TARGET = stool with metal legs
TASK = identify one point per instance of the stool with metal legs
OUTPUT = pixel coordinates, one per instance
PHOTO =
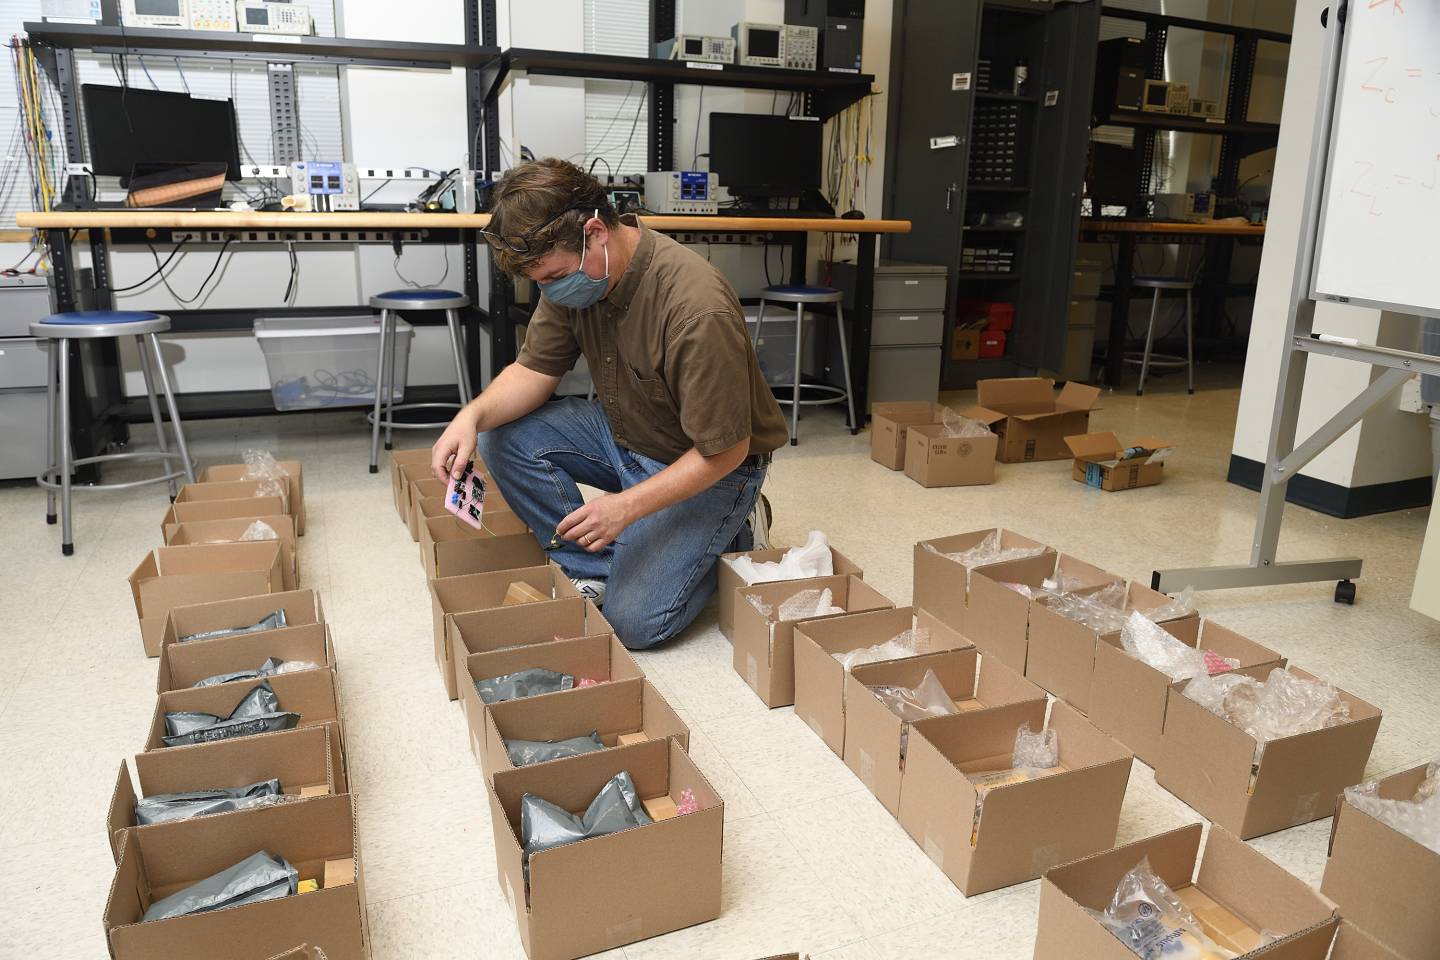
(59, 330)
(1148, 359)
(384, 413)
(800, 295)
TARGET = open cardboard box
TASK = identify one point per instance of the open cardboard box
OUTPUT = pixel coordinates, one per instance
(1061, 652)
(400, 480)
(301, 607)
(620, 712)
(301, 759)
(450, 547)
(224, 491)
(1209, 763)
(183, 665)
(934, 460)
(889, 423)
(1023, 828)
(999, 618)
(295, 485)
(1030, 418)
(728, 581)
(194, 511)
(1381, 879)
(764, 644)
(1235, 894)
(876, 739)
(942, 586)
(599, 657)
(318, 837)
(485, 591)
(171, 577)
(1098, 464)
(1353, 943)
(819, 678)
(230, 531)
(1128, 697)
(603, 892)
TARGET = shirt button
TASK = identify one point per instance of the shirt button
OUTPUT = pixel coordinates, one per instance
(609, 359)
(612, 401)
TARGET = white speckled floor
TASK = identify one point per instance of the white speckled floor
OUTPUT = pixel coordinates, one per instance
(812, 861)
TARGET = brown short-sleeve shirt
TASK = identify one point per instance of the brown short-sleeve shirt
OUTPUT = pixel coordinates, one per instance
(672, 364)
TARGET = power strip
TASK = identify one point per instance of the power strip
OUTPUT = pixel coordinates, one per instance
(294, 236)
(738, 239)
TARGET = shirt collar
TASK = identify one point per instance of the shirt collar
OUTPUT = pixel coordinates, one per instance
(620, 297)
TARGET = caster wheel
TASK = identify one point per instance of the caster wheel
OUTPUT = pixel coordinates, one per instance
(68, 549)
(50, 519)
(1345, 592)
(854, 432)
(374, 469)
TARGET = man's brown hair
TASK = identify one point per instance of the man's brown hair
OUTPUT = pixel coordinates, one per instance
(534, 193)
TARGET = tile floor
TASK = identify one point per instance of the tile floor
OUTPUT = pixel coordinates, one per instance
(812, 862)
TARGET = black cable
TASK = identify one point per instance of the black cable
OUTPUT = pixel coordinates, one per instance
(208, 277)
(294, 273)
(609, 171)
(766, 252)
(376, 190)
(633, 124)
(695, 147)
(158, 270)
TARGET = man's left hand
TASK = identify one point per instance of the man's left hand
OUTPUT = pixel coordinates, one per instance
(596, 525)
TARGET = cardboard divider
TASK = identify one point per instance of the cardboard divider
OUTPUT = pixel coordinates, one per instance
(999, 619)
(183, 665)
(294, 483)
(171, 577)
(728, 581)
(199, 511)
(217, 491)
(230, 531)
(478, 631)
(450, 547)
(399, 481)
(889, 426)
(942, 586)
(301, 607)
(933, 459)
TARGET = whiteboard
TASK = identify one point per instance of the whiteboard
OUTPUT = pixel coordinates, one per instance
(1379, 225)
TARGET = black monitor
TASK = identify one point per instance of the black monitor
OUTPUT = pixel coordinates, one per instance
(761, 155)
(127, 126)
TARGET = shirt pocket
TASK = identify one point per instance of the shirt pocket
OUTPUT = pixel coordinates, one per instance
(651, 388)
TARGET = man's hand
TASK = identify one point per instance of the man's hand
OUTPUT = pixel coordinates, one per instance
(455, 447)
(596, 525)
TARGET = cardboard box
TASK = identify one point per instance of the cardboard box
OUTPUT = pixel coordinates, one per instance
(160, 860)
(1023, 828)
(942, 586)
(605, 892)
(1352, 943)
(224, 490)
(1378, 876)
(765, 645)
(300, 759)
(1031, 419)
(1128, 697)
(399, 491)
(612, 710)
(193, 511)
(889, 423)
(1098, 464)
(1061, 652)
(1208, 761)
(964, 345)
(876, 740)
(1236, 893)
(485, 591)
(301, 607)
(428, 489)
(819, 678)
(449, 548)
(597, 657)
(935, 460)
(728, 581)
(182, 665)
(230, 531)
(998, 619)
(171, 577)
(295, 484)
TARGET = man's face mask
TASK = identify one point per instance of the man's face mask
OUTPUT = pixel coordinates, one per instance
(578, 290)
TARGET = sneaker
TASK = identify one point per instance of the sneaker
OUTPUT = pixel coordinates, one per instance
(592, 590)
(760, 517)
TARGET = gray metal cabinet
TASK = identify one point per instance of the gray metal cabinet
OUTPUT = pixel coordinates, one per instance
(907, 328)
(23, 300)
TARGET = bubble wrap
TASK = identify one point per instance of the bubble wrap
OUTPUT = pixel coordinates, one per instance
(814, 559)
(1102, 611)
(1147, 917)
(928, 698)
(809, 603)
(261, 465)
(907, 644)
(1148, 642)
(1283, 706)
(1035, 750)
(1418, 818)
(259, 530)
(957, 426)
(987, 551)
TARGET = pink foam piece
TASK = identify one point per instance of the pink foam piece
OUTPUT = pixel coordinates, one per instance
(587, 682)
(1214, 663)
(688, 803)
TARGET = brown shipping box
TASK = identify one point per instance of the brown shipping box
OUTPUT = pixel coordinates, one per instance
(1098, 463)
(399, 489)
(428, 489)
(1061, 653)
(999, 617)
(1207, 761)
(764, 653)
(480, 631)
(601, 657)
(230, 531)
(934, 460)
(1378, 876)
(942, 586)
(197, 510)
(171, 577)
(301, 607)
(728, 581)
(300, 759)
(819, 677)
(318, 837)
(1128, 697)
(484, 591)
(1024, 828)
(225, 491)
(621, 709)
(449, 547)
(294, 482)
(889, 423)
(876, 739)
(1236, 894)
(604, 892)
(1031, 419)
(1352, 943)
(183, 665)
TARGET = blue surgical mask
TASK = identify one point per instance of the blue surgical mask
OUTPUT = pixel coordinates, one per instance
(578, 290)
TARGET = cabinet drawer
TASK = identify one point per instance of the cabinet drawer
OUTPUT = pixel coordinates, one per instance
(22, 363)
(892, 327)
(904, 373)
(902, 292)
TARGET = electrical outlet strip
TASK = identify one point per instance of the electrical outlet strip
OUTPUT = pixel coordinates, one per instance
(293, 236)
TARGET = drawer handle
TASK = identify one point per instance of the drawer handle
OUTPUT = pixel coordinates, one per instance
(908, 318)
(912, 283)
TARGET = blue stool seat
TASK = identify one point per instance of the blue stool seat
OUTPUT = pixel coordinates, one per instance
(413, 293)
(78, 317)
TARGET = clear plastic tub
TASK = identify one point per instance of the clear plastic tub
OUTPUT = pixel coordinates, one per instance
(320, 362)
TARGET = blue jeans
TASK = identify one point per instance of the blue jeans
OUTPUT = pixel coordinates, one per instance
(660, 572)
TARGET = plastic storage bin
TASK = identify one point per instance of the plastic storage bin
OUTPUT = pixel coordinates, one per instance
(321, 362)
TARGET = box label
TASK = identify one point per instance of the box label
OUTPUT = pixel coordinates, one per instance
(702, 65)
(1094, 475)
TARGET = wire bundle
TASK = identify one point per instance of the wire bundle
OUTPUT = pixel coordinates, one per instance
(847, 181)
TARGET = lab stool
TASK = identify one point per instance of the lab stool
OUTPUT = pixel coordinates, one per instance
(384, 412)
(800, 295)
(1147, 359)
(59, 330)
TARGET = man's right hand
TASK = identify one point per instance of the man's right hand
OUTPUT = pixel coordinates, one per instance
(455, 447)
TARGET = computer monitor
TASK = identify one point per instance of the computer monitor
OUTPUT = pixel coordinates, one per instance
(761, 155)
(127, 126)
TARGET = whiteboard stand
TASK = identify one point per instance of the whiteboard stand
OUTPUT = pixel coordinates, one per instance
(1284, 459)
